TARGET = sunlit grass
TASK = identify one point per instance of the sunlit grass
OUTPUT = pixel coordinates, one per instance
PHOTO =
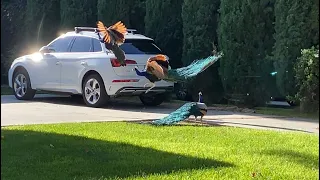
(135, 151)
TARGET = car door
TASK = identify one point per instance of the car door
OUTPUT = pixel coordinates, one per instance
(47, 72)
(74, 62)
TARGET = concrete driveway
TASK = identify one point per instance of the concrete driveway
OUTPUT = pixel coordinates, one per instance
(46, 109)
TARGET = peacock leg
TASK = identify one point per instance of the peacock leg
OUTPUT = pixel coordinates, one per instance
(201, 119)
(152, 86)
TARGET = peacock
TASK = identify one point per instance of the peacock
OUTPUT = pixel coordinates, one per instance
(157, 69)
(113, 37)
(192, 108)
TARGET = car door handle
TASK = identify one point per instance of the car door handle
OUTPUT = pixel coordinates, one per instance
(58, 63)
(83, 63)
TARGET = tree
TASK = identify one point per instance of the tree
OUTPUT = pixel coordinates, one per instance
(163, 23)
(12, 20)
(131, 13)
(78, 13)
(296, 28)
(199, 18)
(306, 72)
(42, 22)
(245, 37)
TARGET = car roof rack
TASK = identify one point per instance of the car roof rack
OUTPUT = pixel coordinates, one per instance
(79, 29)
(91, 29)
(132, 31)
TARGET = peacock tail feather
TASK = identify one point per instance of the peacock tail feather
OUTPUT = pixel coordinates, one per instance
(179, 115)
(196, 67)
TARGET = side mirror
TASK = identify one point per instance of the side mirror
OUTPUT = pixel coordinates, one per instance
(46, 49)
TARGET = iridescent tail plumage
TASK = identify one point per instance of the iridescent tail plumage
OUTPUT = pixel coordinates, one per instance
(196, 67)
(178, 115)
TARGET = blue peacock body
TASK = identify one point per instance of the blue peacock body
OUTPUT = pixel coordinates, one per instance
(192, 108)
(157, 69)
(180, 114)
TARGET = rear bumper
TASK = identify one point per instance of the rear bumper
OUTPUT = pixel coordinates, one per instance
(132, 91)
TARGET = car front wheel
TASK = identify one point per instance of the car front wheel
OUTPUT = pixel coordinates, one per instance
(94, 93)
(21, 85)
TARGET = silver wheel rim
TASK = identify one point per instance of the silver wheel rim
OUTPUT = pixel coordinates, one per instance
(20, 85)
(92, 91)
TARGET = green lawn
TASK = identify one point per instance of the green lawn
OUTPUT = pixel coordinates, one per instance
(118, 150)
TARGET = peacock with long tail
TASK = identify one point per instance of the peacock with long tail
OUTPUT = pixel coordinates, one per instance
(113, 37)
(157, 69)
(184, 112)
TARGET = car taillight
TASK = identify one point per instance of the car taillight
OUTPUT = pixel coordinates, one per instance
(116, 63)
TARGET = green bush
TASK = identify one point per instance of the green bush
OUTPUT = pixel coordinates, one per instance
(245, 37)
(199, 19)
(296, 28)
(307, 80)
(42, 22)
(78, 13)
(130, 12)
(163, 23)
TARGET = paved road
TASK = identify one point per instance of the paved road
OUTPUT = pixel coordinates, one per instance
(45, 109)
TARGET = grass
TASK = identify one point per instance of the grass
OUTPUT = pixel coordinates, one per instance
(287, 112)
(121, 150)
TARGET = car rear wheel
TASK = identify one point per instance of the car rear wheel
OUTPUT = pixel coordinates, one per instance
(94, 93)
(152, 100)
(21, 85)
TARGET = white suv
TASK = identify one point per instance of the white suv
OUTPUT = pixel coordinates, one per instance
(79, 63)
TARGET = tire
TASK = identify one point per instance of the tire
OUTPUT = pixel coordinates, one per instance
(101, 98)
(21, 76)
(152, 100)
(291, 103)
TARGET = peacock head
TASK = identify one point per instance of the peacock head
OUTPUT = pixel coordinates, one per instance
(200, 97)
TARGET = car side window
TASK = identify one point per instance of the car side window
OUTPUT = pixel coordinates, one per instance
(96, 45)
(61, 44)
(82, 44)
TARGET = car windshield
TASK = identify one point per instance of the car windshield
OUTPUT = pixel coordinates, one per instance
(140, 46)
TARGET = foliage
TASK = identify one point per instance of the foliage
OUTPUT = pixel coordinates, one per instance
(245, 36)
(78, 13)
(307, 80)
(163, 23)
(12, 20)
(42, 22)
(131, 13)
(199, 19)
(296, 28)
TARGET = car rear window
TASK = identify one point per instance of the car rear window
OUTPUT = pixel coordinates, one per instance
(140, 46)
